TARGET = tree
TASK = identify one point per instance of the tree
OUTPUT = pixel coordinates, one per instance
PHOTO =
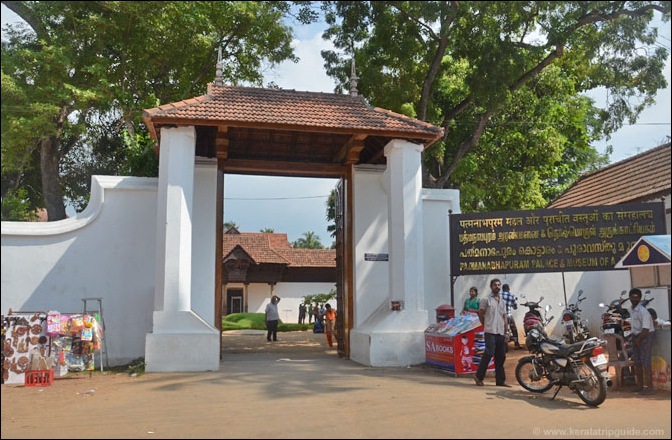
(228, 225)
(320, 298)
(74, 67)
(268, 230)
(506, 81)
(331, 212)
(309, 241)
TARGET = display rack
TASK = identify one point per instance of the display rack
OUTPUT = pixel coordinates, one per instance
(102, 325)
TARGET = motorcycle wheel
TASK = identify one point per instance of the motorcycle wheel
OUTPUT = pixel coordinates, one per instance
(593, 391)
(531, 380)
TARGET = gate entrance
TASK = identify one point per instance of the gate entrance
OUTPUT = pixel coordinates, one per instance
(287, 133)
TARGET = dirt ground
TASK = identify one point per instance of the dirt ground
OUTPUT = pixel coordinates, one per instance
(298, 387)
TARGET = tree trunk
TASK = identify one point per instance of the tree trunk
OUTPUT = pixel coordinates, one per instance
(51, 185)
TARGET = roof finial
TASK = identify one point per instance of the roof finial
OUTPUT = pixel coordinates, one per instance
(218, 69)
(353, 79)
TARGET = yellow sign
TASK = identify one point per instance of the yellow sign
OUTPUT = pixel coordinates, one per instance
(643, 253)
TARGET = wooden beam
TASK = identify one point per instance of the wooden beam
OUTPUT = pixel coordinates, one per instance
(280, 168)
(352, 147)
(426, 135)
(222, 141)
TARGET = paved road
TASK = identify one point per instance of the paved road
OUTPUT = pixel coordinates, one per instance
(300, 388)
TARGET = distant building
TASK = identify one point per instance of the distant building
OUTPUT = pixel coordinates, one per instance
(644, 177)
(257, 265)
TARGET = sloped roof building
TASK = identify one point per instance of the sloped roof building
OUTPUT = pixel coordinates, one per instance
(644, 177)
(260, 257)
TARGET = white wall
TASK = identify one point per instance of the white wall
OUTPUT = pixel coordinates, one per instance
(109, 251)
(436, 204)
(106, 251)
(291, 295)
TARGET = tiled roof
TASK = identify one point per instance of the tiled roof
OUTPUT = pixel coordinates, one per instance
(274, 248)
(643, 177)
(289, 109)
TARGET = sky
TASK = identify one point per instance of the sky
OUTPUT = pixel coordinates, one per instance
(298, 205)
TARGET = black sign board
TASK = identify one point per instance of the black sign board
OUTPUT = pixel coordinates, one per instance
(549, 240)
(376, 257)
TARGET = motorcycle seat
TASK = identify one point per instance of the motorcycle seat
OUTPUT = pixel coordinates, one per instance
(566, 349)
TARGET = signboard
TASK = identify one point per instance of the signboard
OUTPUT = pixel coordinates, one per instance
(549, 240)
(376, 257)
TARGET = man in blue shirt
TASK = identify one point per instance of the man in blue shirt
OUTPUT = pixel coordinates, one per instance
(511, 305)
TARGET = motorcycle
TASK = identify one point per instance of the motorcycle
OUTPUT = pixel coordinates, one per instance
(575, 329)
(616, 319)
(533, 315)
(581, 367)
(645, 302)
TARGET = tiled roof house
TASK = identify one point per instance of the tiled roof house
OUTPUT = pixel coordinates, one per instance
(641, 178)
(260, 257)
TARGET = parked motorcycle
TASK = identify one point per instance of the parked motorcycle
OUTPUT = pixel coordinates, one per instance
(616, 319)
(574, 328)
(533, 315)
(581, 367)
(645, 302)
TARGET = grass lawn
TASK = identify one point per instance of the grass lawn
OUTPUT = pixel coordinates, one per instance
(256, 321)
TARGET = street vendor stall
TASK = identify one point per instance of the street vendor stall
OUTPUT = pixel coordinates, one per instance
(649, 263)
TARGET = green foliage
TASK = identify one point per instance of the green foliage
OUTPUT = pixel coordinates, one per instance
(331, 212)
(309, 241)
(141, 159)
(76, 77)
(137, 367)
(320, 298)
(256, 321)
(506, 81)
(16, 207)
(229, 225)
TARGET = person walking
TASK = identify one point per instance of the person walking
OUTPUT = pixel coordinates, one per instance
(642, 328)
(511, 304)
(272, 317)
(310, 313)
(329, 322)
(492, 314)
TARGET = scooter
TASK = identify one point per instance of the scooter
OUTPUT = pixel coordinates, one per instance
(575, 329)
(616, 319)
(533, 315)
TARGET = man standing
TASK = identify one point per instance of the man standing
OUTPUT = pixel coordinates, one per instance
(492, 314)
(642, 337)
(272, 317)
(302, 313)
(511, 305)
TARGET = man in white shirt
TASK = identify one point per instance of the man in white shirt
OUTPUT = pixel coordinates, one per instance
(642, 337)
(272, 318)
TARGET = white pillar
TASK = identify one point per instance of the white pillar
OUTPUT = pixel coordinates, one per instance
(388, 337)
(180, 339)
(177, 164)
(405, 223)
